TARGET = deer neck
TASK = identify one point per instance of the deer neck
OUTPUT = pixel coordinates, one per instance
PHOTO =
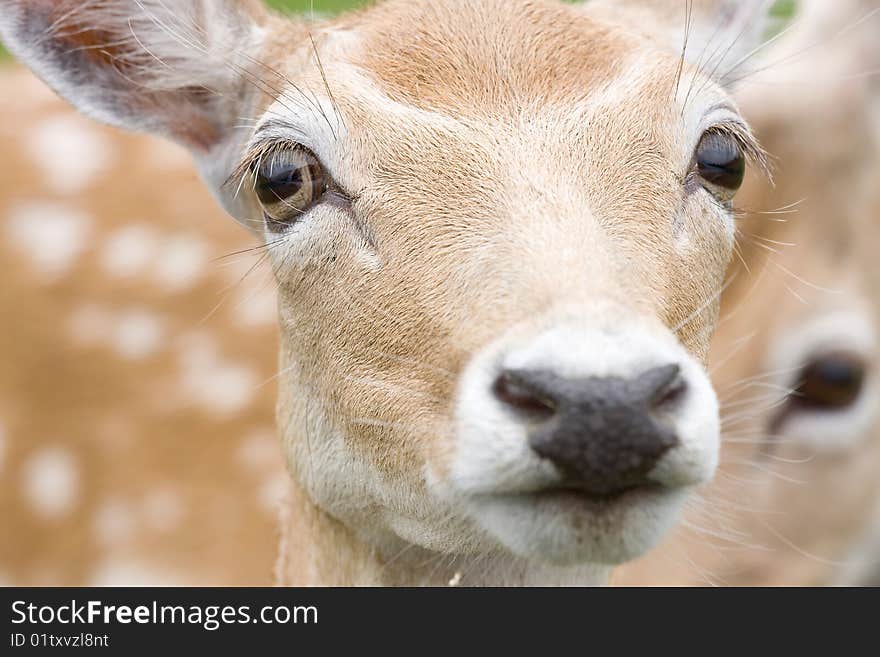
(318, 550)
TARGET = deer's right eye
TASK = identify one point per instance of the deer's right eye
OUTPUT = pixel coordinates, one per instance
(288, 184)
(721, 163)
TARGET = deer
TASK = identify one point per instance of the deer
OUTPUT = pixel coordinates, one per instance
(797, 499)
(488, 374)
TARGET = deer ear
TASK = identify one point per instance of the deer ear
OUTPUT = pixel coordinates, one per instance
(718, 36)
(167, 68)
(180, 69)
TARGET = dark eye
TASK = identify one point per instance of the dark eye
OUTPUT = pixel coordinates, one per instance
(721, 163)
(831, 382)
(288, 183)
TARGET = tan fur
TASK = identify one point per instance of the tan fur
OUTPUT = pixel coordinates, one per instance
(140, 442)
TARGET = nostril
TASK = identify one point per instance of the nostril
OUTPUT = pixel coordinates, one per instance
(604, 434)
(666, 387)
(515, 391)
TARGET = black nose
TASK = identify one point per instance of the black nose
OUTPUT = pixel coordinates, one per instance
(604, 434)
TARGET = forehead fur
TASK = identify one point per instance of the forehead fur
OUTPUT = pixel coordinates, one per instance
(493, 55)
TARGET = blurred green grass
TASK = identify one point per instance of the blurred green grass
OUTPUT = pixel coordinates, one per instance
(323, 6)
(782, 9)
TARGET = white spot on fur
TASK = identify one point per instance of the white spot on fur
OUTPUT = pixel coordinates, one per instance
(51, 481)
(129, 250)
(218, 385)
(137, 334)
(272, 492)
(134, 333)
(113, 522)
(50, 234)
(163, 509)
(227, 388)
(176, 263)
(260, 450)
(70, 153)
(181, 262)
(128, 572)
(256, 307)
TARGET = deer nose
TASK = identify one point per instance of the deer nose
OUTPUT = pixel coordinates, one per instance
(604, 434)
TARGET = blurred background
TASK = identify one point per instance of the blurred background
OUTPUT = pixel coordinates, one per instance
(137, 441)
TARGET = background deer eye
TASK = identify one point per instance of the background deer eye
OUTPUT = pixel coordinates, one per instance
(721, 163)
(287, 184)
(831, 382)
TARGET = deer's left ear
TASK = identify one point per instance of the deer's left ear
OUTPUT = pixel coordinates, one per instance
(178, 69)
(173, 69)
(718, 36)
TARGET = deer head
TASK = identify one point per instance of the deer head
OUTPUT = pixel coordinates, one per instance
(499, 231)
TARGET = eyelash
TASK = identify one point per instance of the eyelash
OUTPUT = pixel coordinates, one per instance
(254, 158)
(257, 155)
(755, 155)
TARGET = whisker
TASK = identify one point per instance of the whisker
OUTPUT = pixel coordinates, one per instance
(706, 304)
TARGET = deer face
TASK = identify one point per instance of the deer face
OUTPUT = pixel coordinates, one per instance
(499, 231)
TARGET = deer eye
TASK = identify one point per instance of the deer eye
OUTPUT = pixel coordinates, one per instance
(720, 163)
(288, 183)
(832, 382)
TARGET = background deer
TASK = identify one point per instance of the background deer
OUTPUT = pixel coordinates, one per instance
(481, 362)
(797, 497)
(136, 437)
